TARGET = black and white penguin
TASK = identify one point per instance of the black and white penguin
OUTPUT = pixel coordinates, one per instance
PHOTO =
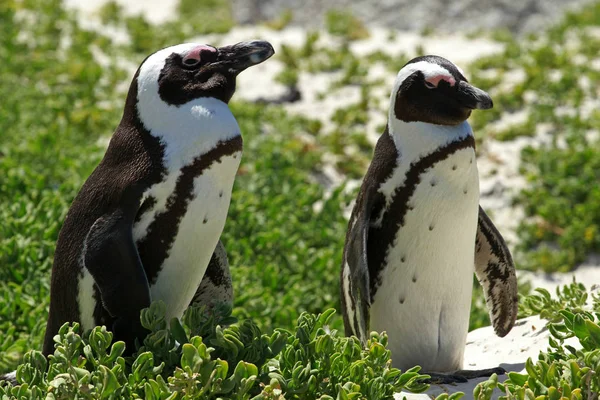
(146, 222)
(417, 233)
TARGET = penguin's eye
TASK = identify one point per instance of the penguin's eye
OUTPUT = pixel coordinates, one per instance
(190, 62)
(429, 85)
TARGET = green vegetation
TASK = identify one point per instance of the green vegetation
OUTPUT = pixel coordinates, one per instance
(564, 198)
(345, 24)
(563, 371)
(60, 104)
(559, 79)
(202, 360)
(273, 231)
(145, 38)
(282, 21)
(55, 106)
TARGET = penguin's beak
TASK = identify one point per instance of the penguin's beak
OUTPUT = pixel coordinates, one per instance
(242, 55)
(473, 98)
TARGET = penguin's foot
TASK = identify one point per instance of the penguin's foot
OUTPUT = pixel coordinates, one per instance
(461, 376)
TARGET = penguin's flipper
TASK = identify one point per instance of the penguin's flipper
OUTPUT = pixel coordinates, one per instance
(216, 284)
(358, 263)
(112, 259)
(495, 271)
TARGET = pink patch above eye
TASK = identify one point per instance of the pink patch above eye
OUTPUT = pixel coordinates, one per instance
(196, 52)
(436, 79)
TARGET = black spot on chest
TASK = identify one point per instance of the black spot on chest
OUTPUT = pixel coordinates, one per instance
(155, 246)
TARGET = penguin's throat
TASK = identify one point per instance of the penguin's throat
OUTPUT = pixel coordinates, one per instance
(414, 140)
(189, 130)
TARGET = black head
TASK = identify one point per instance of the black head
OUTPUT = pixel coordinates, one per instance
(189, 71)
(431, 89)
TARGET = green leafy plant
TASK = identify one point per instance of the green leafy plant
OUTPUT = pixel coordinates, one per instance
(563, 200)
(173, 363)
(285, 232)
(572, 297)
(346, 25)
(563, 371)
(281, 21)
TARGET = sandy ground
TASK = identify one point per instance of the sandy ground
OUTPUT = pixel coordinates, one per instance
(498, 161)
(486, 350)
(155, 11)
(526, 340)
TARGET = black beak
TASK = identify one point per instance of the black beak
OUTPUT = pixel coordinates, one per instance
(242, 55)
(473, 98)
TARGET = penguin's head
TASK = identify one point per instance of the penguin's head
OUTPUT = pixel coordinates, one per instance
(181, 73)
(433, 90)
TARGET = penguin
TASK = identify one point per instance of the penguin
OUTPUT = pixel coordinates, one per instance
(417, 233)
(146, 224)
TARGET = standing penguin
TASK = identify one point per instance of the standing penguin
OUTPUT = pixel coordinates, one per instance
(147, 221)
(417, 233)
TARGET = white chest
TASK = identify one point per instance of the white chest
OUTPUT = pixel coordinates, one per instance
(197, 235)
(424, 299)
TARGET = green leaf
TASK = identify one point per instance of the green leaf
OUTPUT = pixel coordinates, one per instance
(579, 327)
(190, 358)
(594, 332)
(110, 382)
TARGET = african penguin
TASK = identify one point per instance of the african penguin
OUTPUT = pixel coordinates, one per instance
(417, 234)
(145, 224)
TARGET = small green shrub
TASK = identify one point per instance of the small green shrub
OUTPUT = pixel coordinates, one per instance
(563, 202)
(343, 23)
(176, 363)
(282, 21)
(561, 372)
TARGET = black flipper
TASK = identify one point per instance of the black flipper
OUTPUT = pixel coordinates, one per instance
(495, 271)
(356, 258)
(112, 259)
(216, 284)
(357, 276)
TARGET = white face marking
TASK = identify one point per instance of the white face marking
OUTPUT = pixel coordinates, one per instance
(193, 56)
(438, 302)
(432, 72)
(187, 130)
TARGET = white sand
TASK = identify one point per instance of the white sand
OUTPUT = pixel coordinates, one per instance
(486, 350)
(155, 11)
